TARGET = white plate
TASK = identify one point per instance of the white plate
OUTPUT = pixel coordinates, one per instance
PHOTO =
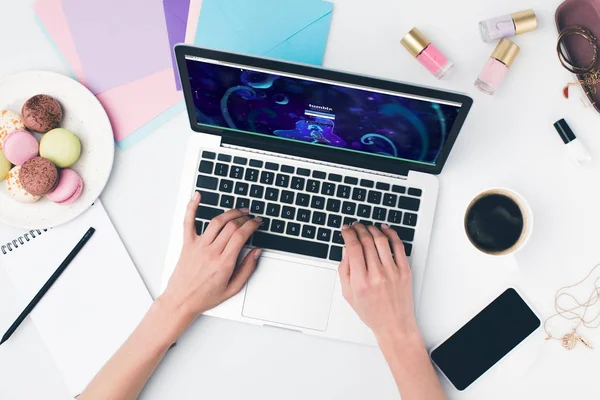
(82, 114)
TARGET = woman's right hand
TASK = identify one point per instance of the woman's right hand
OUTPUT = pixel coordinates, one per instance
(378, 285)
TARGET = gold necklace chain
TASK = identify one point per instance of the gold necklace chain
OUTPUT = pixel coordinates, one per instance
(578, 312)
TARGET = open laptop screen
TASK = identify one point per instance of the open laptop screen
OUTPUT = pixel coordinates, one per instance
(324, 113)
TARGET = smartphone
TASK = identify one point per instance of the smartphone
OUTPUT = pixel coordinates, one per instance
(485, 340)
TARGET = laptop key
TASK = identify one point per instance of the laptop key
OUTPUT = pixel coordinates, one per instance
(319, 218)
(293, 229)
(273, 210)
(337, 237)
(282, 180)
(336, 253)
(208, 213)
(298, 183)
(256, 163)
(364, 211)
(290, 245)
(207, 182)
(226, 201)
(409, 203)
(199, 227)
(221, 169)
(287, 197)
(209, 198)
(365, 222)
(206, 167)
(303, 171)
(359, 194)
(272, 166)
(264, 225)
(367, 183)
(241, 188)
(410, 219)
(226, 186)
(288, 212)
(408, 249)
(277, 226)
(267, 177)
(390, 200)
(349, 221)
(256, 191)
(395, 217)
(251, 175)
(379, 213)
(348, 208)
(343, 192)
(328, 189)
(272, 194)
(333, 205)
(302, 199)
(313, 186)
(405, 234)
(257, 207)
(318, 202)
(319, 174)
(350, 180)
(209, 155)
(242, 202)
(415, 192)
(334, 221)
(303, 215)
(398, 189)
(240, 160)
(236, 172)
(335, 177)
(309, 231)
(224, 157)
(288, 169)
(324, 234)
(382, 186)
(374, 197)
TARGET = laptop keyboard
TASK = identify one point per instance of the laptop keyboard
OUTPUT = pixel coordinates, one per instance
(303, 209)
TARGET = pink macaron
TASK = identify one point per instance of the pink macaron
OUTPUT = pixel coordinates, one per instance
(20, 147)
(69, 188)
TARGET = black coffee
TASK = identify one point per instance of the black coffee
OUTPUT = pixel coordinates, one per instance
(494, 223)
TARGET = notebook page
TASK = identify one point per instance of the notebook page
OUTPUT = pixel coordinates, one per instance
(93, 307)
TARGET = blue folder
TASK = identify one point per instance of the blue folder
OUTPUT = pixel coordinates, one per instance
(291, 30)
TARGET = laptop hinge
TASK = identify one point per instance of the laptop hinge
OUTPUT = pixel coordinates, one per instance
(317, 162)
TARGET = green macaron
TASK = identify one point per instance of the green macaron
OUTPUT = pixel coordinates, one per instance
(61, 147)
(4, 166)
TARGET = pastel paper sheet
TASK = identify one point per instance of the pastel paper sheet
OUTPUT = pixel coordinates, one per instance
(176, 16)
(192, 22)
(118, 41)
(135, 109)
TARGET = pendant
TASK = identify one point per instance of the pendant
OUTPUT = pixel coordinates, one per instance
(570, 340)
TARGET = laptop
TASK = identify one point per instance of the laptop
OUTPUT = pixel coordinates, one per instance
(309, 150)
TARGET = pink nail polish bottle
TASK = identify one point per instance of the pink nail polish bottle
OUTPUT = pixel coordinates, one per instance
(428, 55)
(497, 67)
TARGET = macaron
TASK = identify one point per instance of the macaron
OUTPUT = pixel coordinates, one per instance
(61, 147)
(5, 166)
(38, 176)
(19, 147)
(16, 190)
(9, 122)
(69, 188)
(42, 113)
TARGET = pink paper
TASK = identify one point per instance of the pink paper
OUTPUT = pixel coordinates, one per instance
(130, 106)
(192, 23)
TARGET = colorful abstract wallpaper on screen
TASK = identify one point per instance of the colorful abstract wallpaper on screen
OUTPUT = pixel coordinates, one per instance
(299, 109)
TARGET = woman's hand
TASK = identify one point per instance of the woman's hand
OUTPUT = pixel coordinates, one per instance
(206, 274)
(378, 285)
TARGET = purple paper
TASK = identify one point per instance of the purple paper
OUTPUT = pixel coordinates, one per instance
(118, 41)
(176, 15)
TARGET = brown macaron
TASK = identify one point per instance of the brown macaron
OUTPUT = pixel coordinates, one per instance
(42, 113)
(38, 176)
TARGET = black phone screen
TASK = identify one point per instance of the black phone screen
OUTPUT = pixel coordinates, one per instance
(486, 339)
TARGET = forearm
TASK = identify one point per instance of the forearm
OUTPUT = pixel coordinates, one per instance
(125, 374)
(411, 367)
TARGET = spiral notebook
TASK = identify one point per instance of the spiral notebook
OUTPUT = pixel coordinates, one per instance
(93, 307)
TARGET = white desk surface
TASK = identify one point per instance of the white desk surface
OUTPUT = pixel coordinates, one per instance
(508, 140)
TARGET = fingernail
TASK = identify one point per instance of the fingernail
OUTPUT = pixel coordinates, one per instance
(245, 210)
(196, 196)
(257, 253)
(259, 219)
(355, 223)
(346, 226)
(385, 226)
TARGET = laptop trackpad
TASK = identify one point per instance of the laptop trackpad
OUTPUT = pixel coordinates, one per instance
(290, 293)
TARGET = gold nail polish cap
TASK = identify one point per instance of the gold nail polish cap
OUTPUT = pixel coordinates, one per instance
(525, 21)
(506, 52)
(415, 42)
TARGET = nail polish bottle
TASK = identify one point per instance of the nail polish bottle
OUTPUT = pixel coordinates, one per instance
(508, 25)
(426, 53)
(575, 147)
(497, 67)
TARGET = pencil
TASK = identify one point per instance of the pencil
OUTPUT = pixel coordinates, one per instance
(61, 268)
